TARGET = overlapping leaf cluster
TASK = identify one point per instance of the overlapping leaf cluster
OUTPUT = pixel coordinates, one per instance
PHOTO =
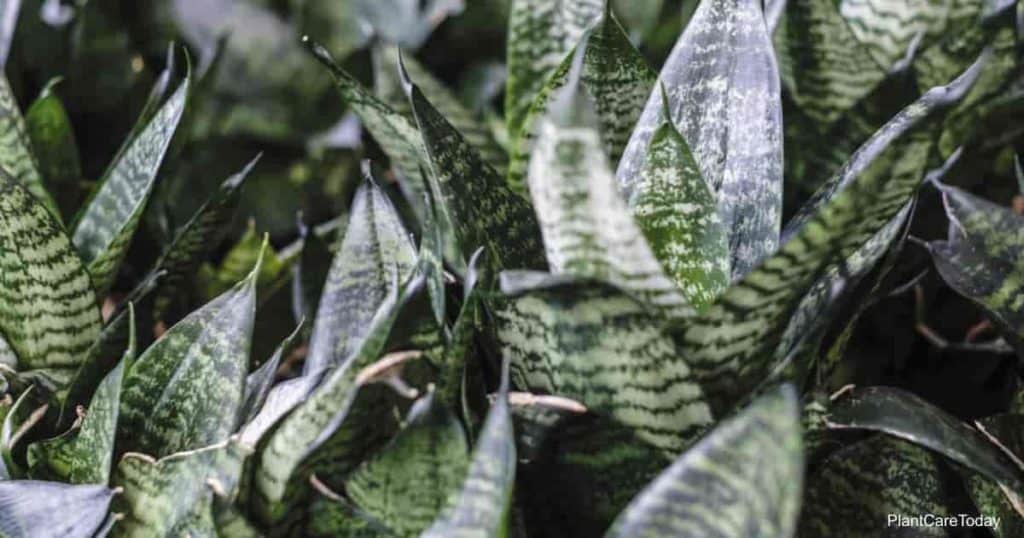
(582, 317)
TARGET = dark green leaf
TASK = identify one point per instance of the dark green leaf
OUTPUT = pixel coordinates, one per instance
(17, 159)
(54, 145)
(743, 479)
(258, 384)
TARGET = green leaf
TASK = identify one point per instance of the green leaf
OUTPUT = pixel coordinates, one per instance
(361, 277)
(753, 464)
(333, 516)
(901, 414)
(84, 456)
(17, 159)
(239, 261)
(197, 238)
(540, 34)
(309, 274)
(53, 144)
(478, 201)
(186, 390)
(105, 227)
(259, 383)
(406, 485)
(482, 507)
(990, 499)
(825, 68)
(723, 93)
(48, 312)
(638, 16)
(30, 508)
(19, 420)
(981, 257)
(856, 490)
(166, 497)
(613, 72)
(587, 227)
(470, 125)
(677, 213)
(730, 345)
(594, 344)
(890, 31)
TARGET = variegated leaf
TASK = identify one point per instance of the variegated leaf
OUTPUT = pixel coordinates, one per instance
(482, 507)
(596, 345)
(723, 93)
(49, 313)
(172, 495)
(105, 227)
(587, 227)
(752, 462)
(989, 497)
(84, 455)
(375, 247)
(54, 145)
(259, 383)
(409, 483)
(540, 34)
(614, 73)
(17, 159)
(198, 369)
(730, 345)
(478, 201)
(30, 508)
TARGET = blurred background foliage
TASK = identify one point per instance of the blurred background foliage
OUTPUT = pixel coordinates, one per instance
(259, 91)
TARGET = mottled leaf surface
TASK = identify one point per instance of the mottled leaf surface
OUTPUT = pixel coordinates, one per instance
(614, 73)
(185, 391)
(406, 485)
(723, 94)
(260, 382)
(596, 345)
(30, 508)
(106, 225)
(17, 159)
(48, 312)
(375, 247)
(540, 34)
(54, 145)
(587, 227)
(752, 462)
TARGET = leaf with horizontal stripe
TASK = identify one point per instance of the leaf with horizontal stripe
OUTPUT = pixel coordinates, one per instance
(482, 208)
(730, 345)
(890, 31)
(594, 344)
(49, 313)
(409, 483)
(84, 456)
(587, 227)
(31, 508)
(375, 247)
(540, 34)
(614, 73)
(753, 462)
(482, 507)
(185, 391)
(17, 159)
(167, 496)
(856, 489)
(105, 227)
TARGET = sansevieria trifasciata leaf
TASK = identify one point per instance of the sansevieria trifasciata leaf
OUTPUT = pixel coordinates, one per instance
(16, 156)
(754, 464)
(105, 227)
(30, 508)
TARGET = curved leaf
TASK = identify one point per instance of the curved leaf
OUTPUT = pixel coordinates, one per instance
(29, 508)
(540, 34)
(723, 93)
(375, 246)
(49, 313)
(105, 227)
(752, 462)
(594, 344)
(406, 485)
(613, 72)
(587, 228)
(185, 391)
(16, 158)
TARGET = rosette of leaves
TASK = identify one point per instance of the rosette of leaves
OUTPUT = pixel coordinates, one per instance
(600, 327)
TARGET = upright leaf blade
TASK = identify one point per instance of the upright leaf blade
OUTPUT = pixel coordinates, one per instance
(54, 145)
(587, 228)
(16, 158)
(362, 275)
(754, 465)
(723, 93)
(49, 313)
(30, 508)
(540, 34)
(196, 371)
(107, 224)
